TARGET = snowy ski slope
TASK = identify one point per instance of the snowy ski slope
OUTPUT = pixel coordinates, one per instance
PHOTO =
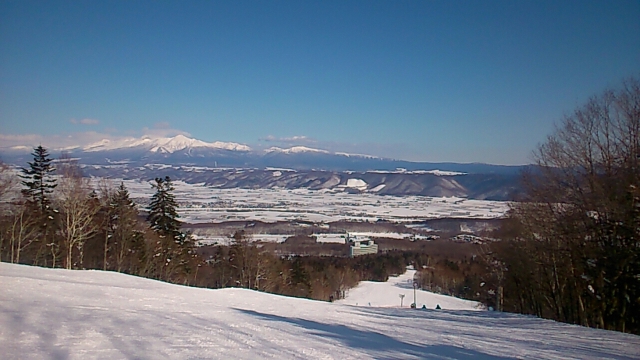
(61, 314)
(387, 294)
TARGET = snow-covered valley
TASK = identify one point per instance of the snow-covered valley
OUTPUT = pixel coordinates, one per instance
(62, 314)
(206, 204)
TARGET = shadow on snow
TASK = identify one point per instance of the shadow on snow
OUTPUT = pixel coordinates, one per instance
(385, 346)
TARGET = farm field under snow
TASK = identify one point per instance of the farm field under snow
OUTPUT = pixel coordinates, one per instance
(63, 314)
(205, 204)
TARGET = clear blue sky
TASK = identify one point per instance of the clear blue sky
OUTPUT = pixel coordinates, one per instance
(466, 81)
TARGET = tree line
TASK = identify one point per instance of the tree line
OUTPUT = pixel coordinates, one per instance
(60, 220)
(571, 246)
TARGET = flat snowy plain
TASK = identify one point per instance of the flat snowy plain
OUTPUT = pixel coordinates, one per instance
(206, 204)
(62, 314)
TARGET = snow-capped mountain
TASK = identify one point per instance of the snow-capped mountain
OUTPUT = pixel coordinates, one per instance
(314, 168)
(295, 150)
(162, 144)
(183, 150)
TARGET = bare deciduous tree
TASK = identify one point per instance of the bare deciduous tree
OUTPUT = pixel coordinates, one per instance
(8, 192)
(22, 230)
(8, 183)
(77, 212)
(579, 224)
(248, 261)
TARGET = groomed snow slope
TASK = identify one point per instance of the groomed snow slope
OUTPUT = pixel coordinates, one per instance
(387, 294)
(61, 314)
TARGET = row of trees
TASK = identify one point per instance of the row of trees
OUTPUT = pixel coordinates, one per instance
(572, 245)
(246, 264)
(61, 221)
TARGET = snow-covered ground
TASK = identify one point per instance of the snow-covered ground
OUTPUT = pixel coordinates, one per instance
(206, 204)
(387, 294)
(228, 240)
(61, 314)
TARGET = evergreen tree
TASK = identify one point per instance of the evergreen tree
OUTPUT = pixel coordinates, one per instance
(38, 180)
(38, 184)
(174, 250)
(122, 229)
(163, 216)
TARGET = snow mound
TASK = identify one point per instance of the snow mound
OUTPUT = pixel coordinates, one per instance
(357, 184)
(378, 188)
(64, 314)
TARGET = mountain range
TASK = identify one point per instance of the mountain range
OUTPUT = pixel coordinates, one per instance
(183, 150)
(225, 165)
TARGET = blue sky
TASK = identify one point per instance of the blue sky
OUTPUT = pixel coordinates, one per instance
(464, 81)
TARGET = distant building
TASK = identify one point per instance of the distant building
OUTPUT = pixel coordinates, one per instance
(362, 247)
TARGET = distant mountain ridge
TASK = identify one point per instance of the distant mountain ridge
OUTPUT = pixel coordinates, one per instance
(296, 150)
(162, 145)
(229, 165)
(182, 150)
(393, 183)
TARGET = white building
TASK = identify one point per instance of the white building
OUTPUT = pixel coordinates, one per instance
(362, 247)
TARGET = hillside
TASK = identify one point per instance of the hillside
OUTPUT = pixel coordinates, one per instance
(435, 183)
(61, 314)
